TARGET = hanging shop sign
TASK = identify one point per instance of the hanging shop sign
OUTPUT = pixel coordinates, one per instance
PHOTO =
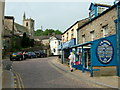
(105, 51)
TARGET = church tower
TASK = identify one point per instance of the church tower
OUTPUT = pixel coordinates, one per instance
(29, 23)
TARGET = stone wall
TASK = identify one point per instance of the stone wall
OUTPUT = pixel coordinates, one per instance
(97, 26)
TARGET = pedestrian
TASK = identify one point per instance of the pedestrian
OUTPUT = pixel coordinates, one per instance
(23, 53)
(71, 58)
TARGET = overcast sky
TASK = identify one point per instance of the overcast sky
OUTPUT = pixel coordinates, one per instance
(50, 15)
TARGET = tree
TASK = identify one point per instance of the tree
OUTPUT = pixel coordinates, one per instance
(32, 42)
(47, 32)
(57, 32)
(39, 32)
(23, 42)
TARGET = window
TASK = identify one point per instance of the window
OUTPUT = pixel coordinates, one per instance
(92, 35)
(72, 33)
(26, 23)
(62, 38)
(101, 9)
(83, 38)
(105, 30)
(92, 13)
(67, 36)
(58, 42)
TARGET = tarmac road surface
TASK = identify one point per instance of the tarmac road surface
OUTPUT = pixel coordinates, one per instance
(40, 73)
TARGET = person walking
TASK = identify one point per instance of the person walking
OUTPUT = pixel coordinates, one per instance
(71, 58)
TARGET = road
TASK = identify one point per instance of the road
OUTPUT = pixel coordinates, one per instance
(39, 73)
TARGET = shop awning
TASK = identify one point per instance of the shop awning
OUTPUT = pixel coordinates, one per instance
(83, 44)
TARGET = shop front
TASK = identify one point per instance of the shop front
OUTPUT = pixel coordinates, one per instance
(98, 53)
(66, 49)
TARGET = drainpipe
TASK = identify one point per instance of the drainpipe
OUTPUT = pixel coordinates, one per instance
(61, 53)
(76, 36)
(83, 60)
(118, 40)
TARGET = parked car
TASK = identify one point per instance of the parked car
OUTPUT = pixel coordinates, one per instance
(30, 55)
(42, 54)
(37, 53)
(16, 56)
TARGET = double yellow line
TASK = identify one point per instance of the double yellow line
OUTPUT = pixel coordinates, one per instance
(18, 83)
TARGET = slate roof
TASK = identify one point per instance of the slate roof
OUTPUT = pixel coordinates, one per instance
(47, 37)
(114, 6)
(98, 4)
(20, 28)
(80, 23)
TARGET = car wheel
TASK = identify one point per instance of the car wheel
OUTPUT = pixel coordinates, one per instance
(11, 59)
(20, 59)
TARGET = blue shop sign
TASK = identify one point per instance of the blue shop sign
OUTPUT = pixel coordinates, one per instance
(69, 44)
(105, 51)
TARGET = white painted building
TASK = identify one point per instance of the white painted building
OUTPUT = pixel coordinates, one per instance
(54, 43)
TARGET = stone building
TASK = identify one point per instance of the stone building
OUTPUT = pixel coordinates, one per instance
(96, 9)
(19, 30)
(99, 32)
(100, 26)
(29, 24)
(8, 31)
(71, 32)
(45, 42)
(13, 32)
(69, 39)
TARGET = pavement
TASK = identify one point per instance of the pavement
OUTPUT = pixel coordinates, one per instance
(105, 81)
(7, 74)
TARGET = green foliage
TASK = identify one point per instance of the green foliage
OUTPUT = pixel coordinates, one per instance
(40, 32)
(26, 41)
(15, 43)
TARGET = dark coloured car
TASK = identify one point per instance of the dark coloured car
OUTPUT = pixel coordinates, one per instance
(37, 54)
(30, 55)
(42, 54)
(16, 56)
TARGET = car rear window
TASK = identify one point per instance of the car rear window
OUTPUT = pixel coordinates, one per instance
(14, 54)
